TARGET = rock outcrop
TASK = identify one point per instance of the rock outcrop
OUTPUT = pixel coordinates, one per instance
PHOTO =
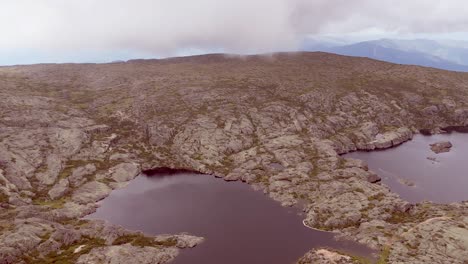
(91, 192)
(59, 189)
(128, 254)
(324, 256)
(441, 147)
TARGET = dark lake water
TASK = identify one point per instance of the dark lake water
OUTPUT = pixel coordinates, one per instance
(240, 225)
(444, 180)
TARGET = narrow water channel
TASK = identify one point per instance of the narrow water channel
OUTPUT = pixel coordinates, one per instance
(240, 225)
(416, 173)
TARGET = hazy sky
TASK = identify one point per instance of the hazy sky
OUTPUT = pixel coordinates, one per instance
(103, 30)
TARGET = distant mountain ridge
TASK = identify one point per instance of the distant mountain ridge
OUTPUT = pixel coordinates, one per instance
(451, 56)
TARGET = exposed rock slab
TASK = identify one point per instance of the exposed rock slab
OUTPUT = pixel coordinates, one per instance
(124, 254)
(59, 189)
(91, 192)
(124, 172)
(324, 256)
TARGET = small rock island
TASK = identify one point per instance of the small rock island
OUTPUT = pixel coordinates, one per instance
(441, 147)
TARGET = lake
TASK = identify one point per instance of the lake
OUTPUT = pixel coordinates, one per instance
(240, 225)
(406, 169)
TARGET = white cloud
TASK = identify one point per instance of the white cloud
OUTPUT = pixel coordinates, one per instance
(163, 27)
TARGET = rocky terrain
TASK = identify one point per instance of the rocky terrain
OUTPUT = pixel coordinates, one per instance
(441, 147)
(71, 133)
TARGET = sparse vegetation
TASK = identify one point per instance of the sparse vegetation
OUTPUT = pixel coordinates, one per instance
(3, 198)
(385, 253)
(376, 197)
(140, 240)
(66, 254)
(53, 204)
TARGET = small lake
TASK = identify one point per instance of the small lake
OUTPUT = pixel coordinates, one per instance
(407, 170)
(240, 225)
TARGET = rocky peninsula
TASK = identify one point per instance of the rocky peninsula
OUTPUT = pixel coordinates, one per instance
(71, 133)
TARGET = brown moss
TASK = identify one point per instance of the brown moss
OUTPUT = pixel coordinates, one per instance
(376, 197)
(54, 204)
(140, 240)
(66, 254)
(384, 255)
(3, 198)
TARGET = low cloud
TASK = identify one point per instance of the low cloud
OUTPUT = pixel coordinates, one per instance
(164, 28)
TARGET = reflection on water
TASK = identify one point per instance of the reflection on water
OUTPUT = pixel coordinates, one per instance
(240, 225)
(407, 170)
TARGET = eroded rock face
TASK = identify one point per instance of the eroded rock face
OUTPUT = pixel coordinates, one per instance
(71, 133)
(391, 139)
(441, 147)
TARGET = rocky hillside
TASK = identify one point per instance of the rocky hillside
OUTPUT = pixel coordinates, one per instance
(71, 133)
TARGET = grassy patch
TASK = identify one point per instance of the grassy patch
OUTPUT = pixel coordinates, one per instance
(3, 198)
(341, 163)
(140, 240)
(262, 179)
(5, 226)
(66, 254)
(398, 217)
(54, 204)
(104, 164)
(45, 237)
(360, 260)
(383, 259)
(376, 197)
(170, 242)
(106, 181)
(69, 166)
(359, 190)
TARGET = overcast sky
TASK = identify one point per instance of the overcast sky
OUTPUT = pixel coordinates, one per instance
(103, 30)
